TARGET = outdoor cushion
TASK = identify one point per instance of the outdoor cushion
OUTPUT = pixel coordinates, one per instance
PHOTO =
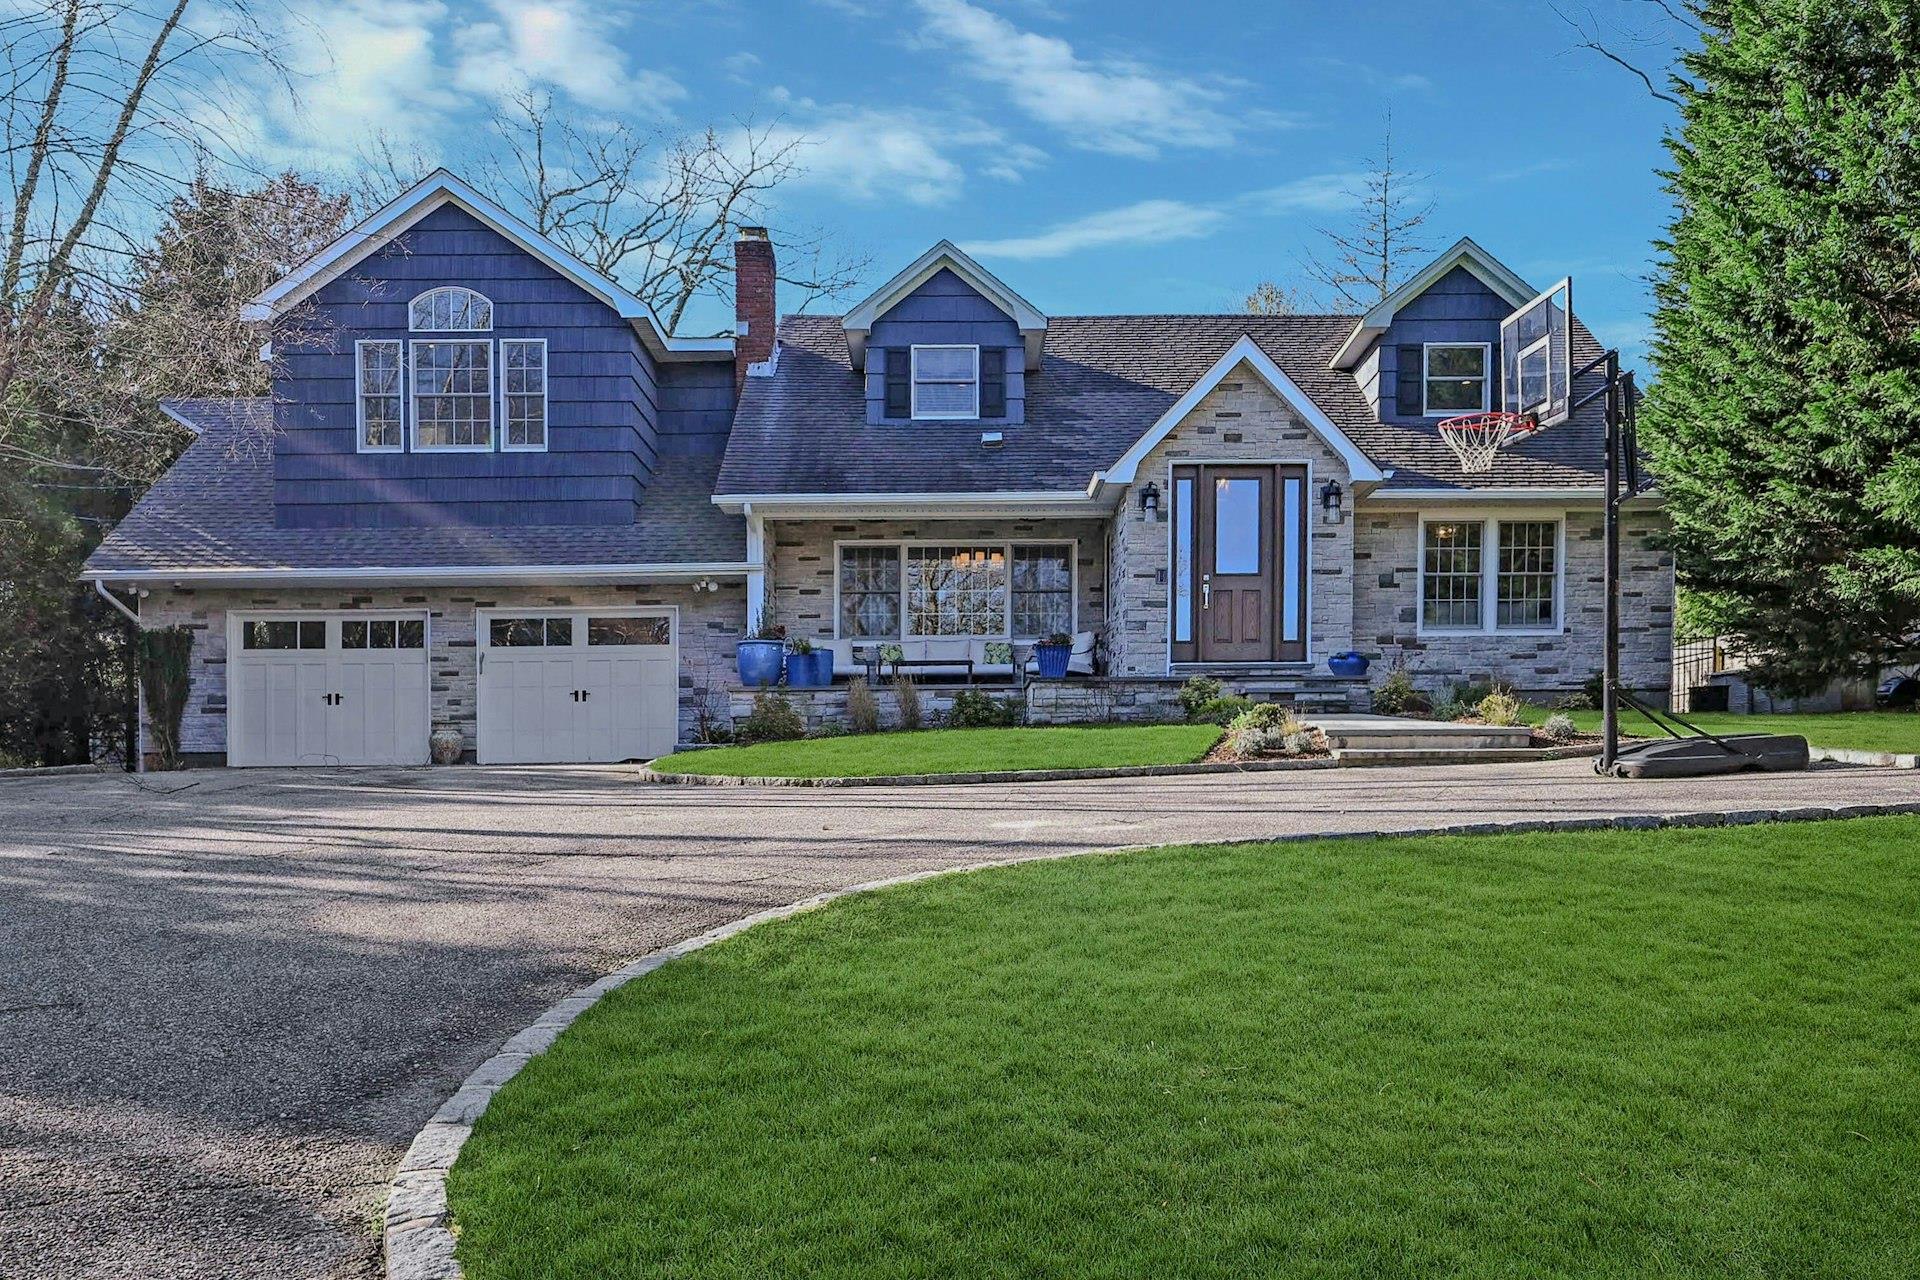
(1079, 662)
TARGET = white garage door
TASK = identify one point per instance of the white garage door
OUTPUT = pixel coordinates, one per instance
(577, 686)
(318, 689)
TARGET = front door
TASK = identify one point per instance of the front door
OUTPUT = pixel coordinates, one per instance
(1239, 563)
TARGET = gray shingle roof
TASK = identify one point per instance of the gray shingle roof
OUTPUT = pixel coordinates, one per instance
(1103, 381)
(214, 510)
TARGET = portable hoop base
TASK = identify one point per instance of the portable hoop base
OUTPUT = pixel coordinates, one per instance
(1476, 438)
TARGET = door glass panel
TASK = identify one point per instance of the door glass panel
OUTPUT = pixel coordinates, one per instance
(413, 633)
(628, 631)
(1291, 490)
(1183, 560)
(1236, 524)
(515, 633)
(313, 634)
(559, 632)
(269, 635)
(353, 635)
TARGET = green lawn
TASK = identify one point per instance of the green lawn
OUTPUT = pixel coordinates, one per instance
(1859, 730)
(954, 751)
(1676, 1053)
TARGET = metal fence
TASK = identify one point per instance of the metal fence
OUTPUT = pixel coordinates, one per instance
(1695, 662)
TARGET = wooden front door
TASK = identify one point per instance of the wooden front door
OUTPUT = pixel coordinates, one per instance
(1239, 564)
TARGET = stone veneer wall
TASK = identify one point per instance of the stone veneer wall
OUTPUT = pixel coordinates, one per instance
(800, 576)
(710, 624)
(1386, 563)
(1047, 702)
(1238, 421)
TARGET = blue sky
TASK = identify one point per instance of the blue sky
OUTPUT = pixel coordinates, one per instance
(1100, 155)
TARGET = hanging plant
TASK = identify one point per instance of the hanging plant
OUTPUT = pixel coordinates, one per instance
(165, 655)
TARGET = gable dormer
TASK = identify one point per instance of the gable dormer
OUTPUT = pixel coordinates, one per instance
(945, 341)
(1431, 348)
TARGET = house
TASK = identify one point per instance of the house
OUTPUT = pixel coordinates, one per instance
(491, 493)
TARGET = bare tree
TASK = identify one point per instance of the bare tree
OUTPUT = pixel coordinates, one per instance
(656, 211)
(1642, 37)
(1271, 298)
(1363, 261)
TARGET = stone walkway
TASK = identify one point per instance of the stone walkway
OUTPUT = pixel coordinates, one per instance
(229, 999)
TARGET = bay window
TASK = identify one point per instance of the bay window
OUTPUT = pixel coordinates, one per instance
(1485, 575)
(915, 590)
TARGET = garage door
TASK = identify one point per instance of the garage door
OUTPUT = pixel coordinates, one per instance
(309, 689)
(577, 687)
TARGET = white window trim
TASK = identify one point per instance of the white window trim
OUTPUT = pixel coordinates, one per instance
(360, 444)
(546, 382)
(913, 382)
(449, 288)
(1489, 522)
(1486, 378)
(412, 417)
(1005, 633)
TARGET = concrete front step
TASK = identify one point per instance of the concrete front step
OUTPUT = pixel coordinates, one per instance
(1401, 733)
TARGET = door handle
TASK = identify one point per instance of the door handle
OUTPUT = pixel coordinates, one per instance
(1206, 591)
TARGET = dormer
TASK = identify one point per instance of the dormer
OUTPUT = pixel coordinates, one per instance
(945, 341)
(1431, 348)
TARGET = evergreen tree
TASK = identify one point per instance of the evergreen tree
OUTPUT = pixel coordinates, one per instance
(1785, 421)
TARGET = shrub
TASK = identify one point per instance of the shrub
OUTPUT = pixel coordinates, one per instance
(831, 729)
(1575, 702)
(973, 709)
(1500, 707)
(1448, 705)
(1396, 696)
(1596, 689)
(1196, 693)
(1265, 715)
(1251, 744)
(863, 709)
(907, 694)
(1302, 742)
(1559, 728)
(1221, 710)
(165, 655)
(772, 719)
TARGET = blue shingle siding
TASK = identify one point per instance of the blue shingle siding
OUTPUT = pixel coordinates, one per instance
(603, 396)
(1458, 308)
(946, 309)
(696, 407)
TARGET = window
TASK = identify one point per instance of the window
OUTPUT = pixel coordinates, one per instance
(946, 382)
(1042, 590)
(529, 633)
(896, 591)
(1526, 592)
(1450, 579)
(450, 309)
(1456, 377)
(1238, 511)
(1182, 559)
(523, 389)
(383, 633)
(310, 633)
(377, 408)
(1490, 575)
(629, 631)
(870, 592)
(453, 395)
(956, 591)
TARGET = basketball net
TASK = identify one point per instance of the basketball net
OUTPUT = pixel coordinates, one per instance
(1476, 438)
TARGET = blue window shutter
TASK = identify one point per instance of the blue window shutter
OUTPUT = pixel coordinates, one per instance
(993, 382)
(1409, 387)
(899, 383)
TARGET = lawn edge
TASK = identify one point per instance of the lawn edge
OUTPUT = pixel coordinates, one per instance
(418, 1232)
(1879, 759)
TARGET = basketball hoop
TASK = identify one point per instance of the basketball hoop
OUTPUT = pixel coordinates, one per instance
(1476, 438)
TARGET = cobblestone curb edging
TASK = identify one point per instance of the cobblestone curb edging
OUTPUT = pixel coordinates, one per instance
(650, 775)
(419, 1236)
(1881, 759)
(52, 771)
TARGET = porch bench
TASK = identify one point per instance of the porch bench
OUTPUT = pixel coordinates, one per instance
(952, 656)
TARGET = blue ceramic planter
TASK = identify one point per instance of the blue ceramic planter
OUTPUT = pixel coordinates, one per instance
(1348, 664)
(759, 661)
(822, 668)
(1052, 660)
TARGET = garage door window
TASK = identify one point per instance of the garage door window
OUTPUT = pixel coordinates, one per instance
(629, 631)
(530, 633)
(383, 633)
(284, 634)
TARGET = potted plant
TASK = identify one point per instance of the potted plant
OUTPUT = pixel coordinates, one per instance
(823, 666)
(760, 653)
(1350, 664)
(1052, 654)
(800, 663)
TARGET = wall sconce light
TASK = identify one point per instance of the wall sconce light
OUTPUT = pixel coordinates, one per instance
(1330, 498)
(706, 584)
(1150, 501)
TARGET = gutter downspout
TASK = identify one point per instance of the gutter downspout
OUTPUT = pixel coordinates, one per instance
(136, 759)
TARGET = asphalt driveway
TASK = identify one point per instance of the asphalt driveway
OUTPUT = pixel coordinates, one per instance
(229, 999)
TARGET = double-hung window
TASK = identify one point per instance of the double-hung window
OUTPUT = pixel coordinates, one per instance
(1480, 575)
(1456, 378)
(946, 382)
(913, 590)
(523, 393)
(378, 395)
(453, 395)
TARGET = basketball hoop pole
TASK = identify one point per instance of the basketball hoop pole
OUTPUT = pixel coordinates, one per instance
(1618, 394)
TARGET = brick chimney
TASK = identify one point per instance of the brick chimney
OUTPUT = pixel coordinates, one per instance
(753, 307)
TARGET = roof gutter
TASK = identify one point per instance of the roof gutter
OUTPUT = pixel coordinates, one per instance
(100, 587)
(448, 575)
(789, 505)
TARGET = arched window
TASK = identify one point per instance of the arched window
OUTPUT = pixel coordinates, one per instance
(450, 309)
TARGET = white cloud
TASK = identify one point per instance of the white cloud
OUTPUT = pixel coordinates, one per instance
(1110, 105)
(893, 154)
(562, 43)
(1316, 193)
(1147, 222)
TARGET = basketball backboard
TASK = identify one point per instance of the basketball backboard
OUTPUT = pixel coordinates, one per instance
(1536, 356)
